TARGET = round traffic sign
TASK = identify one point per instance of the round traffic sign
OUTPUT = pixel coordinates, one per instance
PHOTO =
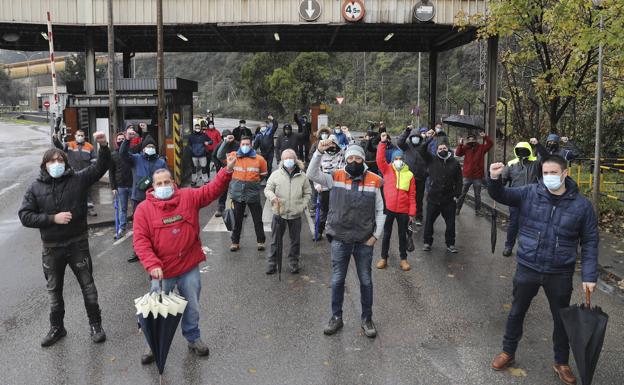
(46, 104)
(353, 10)
(309, 10)
(424, 11)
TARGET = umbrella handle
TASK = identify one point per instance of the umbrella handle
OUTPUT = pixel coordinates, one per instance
(160, 290)
(587, 298)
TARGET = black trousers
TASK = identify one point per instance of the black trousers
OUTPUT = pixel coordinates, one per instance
(77, 256)
(402, 222)
(420, 195)
(256, 214)
(278, 228)
(447, 209)
(323, 212)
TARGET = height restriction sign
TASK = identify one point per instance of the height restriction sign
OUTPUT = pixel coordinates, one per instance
(353, 10)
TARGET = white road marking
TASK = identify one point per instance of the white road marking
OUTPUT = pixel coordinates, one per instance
(11, 187)
(216, 225)
(128, 235)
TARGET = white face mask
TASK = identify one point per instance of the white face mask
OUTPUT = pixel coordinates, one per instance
(56, 169)
(398, 164)
(149, 151)
(289, 163)
(552, 182)
(163, 192)
(80, 139)
(324, 136)
(263, 129)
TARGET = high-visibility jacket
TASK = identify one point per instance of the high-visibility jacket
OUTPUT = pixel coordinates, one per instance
(249, 170)
(399, 185)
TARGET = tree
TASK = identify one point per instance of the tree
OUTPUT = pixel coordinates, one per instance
(11, 92)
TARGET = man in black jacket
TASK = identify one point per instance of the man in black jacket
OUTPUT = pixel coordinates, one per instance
(120, 175)
(411, 143)
(241, 130)
(56, 204)
(264, 143)
(446, 186)
(288, 140)
(228, 144)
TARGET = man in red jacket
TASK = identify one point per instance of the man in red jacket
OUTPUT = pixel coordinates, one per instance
(474, 156)
(400, 196)
(211, 148)
(166, 240)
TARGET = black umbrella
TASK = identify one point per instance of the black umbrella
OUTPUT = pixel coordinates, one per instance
(465, 121)
(586, 328)
(279, 244)
(160, 327)
(493, 229)
(317, 217)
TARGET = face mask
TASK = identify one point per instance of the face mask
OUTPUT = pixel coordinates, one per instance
(242, 126)
(287, 132)
(197, 130)
(438, 130)
(398, 164)
(149, 151)
(56, 169)
(552, 146)
(211, 126)
(338, 130)
(263, 129)
(324, 136)
(80, 139)
(415, 140)
(289, 163)
(552, 182)
(355, 169)
(245, 149)
(443, 154)
(522, 153)
(163, 192)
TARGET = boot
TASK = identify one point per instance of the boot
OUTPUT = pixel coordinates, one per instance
(502, 361)
(199, 348)
(405, 266)
(97, 333)
(382, 263)
(335, 324)
(53, 336)
(565, 374)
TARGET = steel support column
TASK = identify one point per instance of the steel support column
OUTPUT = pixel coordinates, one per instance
(112, 100)
(433, 80)
(90, 77)
(492, 88)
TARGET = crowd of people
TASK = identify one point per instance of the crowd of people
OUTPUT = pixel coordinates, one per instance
(359, 186)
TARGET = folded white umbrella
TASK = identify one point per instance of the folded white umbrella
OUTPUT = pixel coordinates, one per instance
(160, 304)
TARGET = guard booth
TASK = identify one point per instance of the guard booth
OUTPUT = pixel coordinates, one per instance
(137, 101)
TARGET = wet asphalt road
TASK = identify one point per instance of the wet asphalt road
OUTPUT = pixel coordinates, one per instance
(440, 323)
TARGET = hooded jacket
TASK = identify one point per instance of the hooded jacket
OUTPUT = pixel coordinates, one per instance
(215, 137)
(142, 165)
(569, 152)
(120, 173)
(265, 142)
(474, 156)
(48, 196)
(291, 141)
(411, 153)
(552, 227)
(166, 232)
(239, 132)
(249, 170)
(399, 187)
(445, 175)
(522, 171)
(292, 190)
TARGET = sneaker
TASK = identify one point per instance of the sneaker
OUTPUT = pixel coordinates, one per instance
(335, 324)
(427, 247)
(234, 247)
(53, 336)
(261, 246)
(452, 249)
(565, 374)
(147, 357)
(405, 266)
(507, 252)
(219, 213)
(97, 333)
(271, 270)
(418, 222)
(133, 258)
(369, 329)
(199, 348)
(382, 263)
(294, 269)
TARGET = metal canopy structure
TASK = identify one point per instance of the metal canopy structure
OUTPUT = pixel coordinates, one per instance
(223, 37)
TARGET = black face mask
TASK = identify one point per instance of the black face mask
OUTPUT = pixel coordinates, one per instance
(522, 153)
(552, 146)
(355, 169)
(287, 132)
(332, 150)
(443, 154)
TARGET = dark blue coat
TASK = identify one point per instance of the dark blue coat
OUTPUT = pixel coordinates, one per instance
(142, 166)
(196, 143)
(551, 228)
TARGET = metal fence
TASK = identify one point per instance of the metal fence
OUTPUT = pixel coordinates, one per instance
(611, 177)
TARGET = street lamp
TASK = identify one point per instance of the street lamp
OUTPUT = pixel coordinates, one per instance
(596, 191)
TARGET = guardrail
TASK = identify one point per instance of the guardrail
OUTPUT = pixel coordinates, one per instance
(611, 176)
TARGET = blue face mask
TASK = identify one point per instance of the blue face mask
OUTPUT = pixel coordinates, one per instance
(552, 182)
(245, 149)
(289, 163)
(149, 151)
(56, 169)
(163, 192)
(338, 131)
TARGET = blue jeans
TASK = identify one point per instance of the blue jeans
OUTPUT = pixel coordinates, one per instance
(512, 227)
(123, 194)
(363, 256)
(558, 290)
(189, 287)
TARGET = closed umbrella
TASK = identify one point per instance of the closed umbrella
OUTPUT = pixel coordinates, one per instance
(493, 229)
(117, 217)
(158, 315)
(279, 244)
(317, 217)
(586, 328)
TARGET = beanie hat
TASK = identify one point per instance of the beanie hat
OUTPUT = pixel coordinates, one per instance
(423, 129)
(226, 133)
(148, 140)
(397, 154)
(356, 150)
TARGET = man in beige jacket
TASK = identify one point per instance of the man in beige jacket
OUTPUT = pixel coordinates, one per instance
(288, 190)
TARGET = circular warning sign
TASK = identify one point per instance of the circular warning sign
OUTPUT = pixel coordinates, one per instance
(46, 104)
(353, 10)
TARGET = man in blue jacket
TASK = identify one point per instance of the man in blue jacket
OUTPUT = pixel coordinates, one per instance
(554, 218)
(197, 142)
